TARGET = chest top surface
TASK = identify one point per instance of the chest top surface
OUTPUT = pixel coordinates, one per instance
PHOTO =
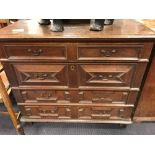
(30, 29)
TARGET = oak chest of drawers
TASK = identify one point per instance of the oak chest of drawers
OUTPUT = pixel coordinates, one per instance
(76, 75)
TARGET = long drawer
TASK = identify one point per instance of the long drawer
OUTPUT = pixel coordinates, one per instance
(36, 96)
(77, 51)
(76, 75)
(80, 112)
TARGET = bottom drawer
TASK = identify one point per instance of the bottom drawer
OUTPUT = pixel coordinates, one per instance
(75, 112)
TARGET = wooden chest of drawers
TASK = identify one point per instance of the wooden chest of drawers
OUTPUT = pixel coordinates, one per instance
(76, 76)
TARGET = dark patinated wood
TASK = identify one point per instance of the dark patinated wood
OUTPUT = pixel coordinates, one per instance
(76, 75)
(146, 106)
(30, 30)
(37, 51)
(145, 110)
(116, 97)
(76, 112)
(114, 51)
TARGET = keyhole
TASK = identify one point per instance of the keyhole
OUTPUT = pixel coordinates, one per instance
(72, 67)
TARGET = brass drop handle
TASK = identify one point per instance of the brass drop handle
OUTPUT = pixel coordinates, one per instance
(107, 53)
(72, 67)
(68, 110)
(121, 112)
(35, 52)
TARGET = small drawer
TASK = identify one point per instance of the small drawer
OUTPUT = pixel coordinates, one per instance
(52, 52)
(74, 96)
(110, 52)
(83, 112)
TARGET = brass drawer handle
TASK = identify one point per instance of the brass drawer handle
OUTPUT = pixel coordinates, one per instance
(121, 112)
(108, 53)
(35, 52)
(72, 67)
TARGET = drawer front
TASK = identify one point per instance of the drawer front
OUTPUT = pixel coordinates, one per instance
(43, 96)
(77, 97)
(106, 97)
(77, 51)
(41, 74)
(82, 112)
(111, 52)
(76, 75)
(102, 75)
(52, 52)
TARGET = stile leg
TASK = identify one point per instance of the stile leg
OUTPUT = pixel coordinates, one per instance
(9, 107)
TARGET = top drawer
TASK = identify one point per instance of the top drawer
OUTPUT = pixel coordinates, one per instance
(53, 52)
(113, 51)
(77, 51)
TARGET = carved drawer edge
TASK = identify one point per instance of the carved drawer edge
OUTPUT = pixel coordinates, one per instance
(124, 121)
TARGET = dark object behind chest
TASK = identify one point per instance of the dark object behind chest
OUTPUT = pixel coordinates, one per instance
(57, 25)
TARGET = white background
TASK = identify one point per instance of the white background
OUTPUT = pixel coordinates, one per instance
(77, 9)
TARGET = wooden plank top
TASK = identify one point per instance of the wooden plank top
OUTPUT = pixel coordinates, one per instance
(30, 29)
(150, 23)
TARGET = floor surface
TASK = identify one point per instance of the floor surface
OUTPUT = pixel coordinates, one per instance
(6, 128)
